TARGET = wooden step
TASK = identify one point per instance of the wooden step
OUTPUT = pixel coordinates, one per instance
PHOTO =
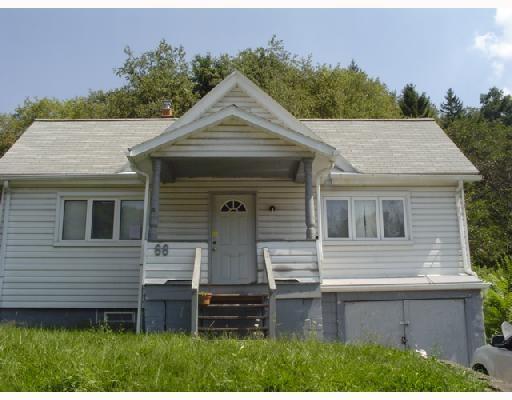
(228, 317)
(233, 305)
(205, 329)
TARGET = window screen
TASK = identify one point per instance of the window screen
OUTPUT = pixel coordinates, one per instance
(337, 218)
(365, 215)
(75, 216)
(393, 218)
(132, 212)
(102, 219)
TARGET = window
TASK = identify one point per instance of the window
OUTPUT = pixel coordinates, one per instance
(100, 220)
(337, 217)
(366, 218)
(132, 213)
(233, 206)
(393, 218)
(75, 214)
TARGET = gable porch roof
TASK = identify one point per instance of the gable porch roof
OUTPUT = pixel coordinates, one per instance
(170, 136)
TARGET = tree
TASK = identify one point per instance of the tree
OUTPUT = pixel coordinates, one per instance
(414, 105)
(452, 107)
(495, 106)
(488, 144)
(353, 66)
(155, 76)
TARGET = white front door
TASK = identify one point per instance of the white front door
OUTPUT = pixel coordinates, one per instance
(233, 240)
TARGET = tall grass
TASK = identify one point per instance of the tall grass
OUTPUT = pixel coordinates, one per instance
(56, 360)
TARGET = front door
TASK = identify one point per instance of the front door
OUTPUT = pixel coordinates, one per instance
(233, 240)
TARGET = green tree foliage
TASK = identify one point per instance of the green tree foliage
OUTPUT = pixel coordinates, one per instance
(305, 89)
(496, 106)
(415, 105)
(488, 144)
(498, 299)
(452, 108)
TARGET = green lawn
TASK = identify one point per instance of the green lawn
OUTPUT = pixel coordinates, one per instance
(46, 360)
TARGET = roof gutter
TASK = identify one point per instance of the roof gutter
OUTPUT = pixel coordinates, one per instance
(26, 177)
(341, 177)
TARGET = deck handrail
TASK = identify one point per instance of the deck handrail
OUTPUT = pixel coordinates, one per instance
(196, 275)
(272, 294)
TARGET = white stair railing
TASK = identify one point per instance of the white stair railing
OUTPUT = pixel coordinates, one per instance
(272, 294)
(196, 276)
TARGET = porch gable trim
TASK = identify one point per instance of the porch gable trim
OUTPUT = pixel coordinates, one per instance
(170, 137)
(236, 78)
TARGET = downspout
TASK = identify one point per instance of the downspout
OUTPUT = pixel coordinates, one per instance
(463, 228)
(4, 216)
(320, 176)
(138, 325)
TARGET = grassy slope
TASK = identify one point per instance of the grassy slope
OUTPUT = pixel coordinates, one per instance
(42, 360)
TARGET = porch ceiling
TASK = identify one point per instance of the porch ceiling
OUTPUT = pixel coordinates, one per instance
(213, 167)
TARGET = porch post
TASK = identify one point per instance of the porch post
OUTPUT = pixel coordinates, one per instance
(155, 199)
(310, 204)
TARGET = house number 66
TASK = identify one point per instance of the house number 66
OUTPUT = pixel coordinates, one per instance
(163, 250)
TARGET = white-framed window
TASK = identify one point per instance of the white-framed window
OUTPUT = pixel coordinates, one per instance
(366, 218)
(99, 220)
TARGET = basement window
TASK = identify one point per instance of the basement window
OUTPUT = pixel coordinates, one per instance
(99, 221)
(119, 317)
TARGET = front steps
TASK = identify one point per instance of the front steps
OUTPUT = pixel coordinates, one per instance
(235, 314)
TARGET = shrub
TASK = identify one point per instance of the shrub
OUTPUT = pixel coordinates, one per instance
(498, 299)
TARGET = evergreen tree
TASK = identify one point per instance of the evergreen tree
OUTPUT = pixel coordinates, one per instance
(414, 105)
(353, 66)
(452, 107)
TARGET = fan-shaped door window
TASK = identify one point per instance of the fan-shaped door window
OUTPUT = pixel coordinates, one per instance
(233, 206)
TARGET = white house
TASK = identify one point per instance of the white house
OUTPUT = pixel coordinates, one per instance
(347, 229)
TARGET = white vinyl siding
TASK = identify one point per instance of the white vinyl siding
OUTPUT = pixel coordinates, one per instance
(232, 138)
(184, 208)
(238, 97)
(434, 247)
(40, 275)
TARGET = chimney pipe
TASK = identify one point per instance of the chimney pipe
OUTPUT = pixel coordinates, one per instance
(166, 110)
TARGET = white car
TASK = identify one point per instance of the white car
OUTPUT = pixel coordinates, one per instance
(495, 359)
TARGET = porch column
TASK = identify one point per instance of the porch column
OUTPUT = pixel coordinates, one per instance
(310, 204)
(155, 199)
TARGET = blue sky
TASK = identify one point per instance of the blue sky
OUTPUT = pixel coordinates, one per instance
(64, 53)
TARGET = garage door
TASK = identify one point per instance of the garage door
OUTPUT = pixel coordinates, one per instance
(439, 327)
(374, 321)
(436, 326)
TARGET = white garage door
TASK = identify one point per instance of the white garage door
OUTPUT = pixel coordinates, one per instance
(436, 326)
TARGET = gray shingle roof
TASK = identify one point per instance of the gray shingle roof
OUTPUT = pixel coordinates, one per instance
(406, 146)
(93, 147)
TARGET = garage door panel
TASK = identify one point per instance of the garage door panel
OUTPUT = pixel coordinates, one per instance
(374, 321)
(437, 326)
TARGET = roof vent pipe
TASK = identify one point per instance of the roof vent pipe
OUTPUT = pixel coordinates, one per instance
(166, 110)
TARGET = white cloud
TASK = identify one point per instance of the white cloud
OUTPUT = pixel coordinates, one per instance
(497, 45)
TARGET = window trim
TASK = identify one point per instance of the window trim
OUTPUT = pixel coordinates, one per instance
(378, 197)
(88, 241)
